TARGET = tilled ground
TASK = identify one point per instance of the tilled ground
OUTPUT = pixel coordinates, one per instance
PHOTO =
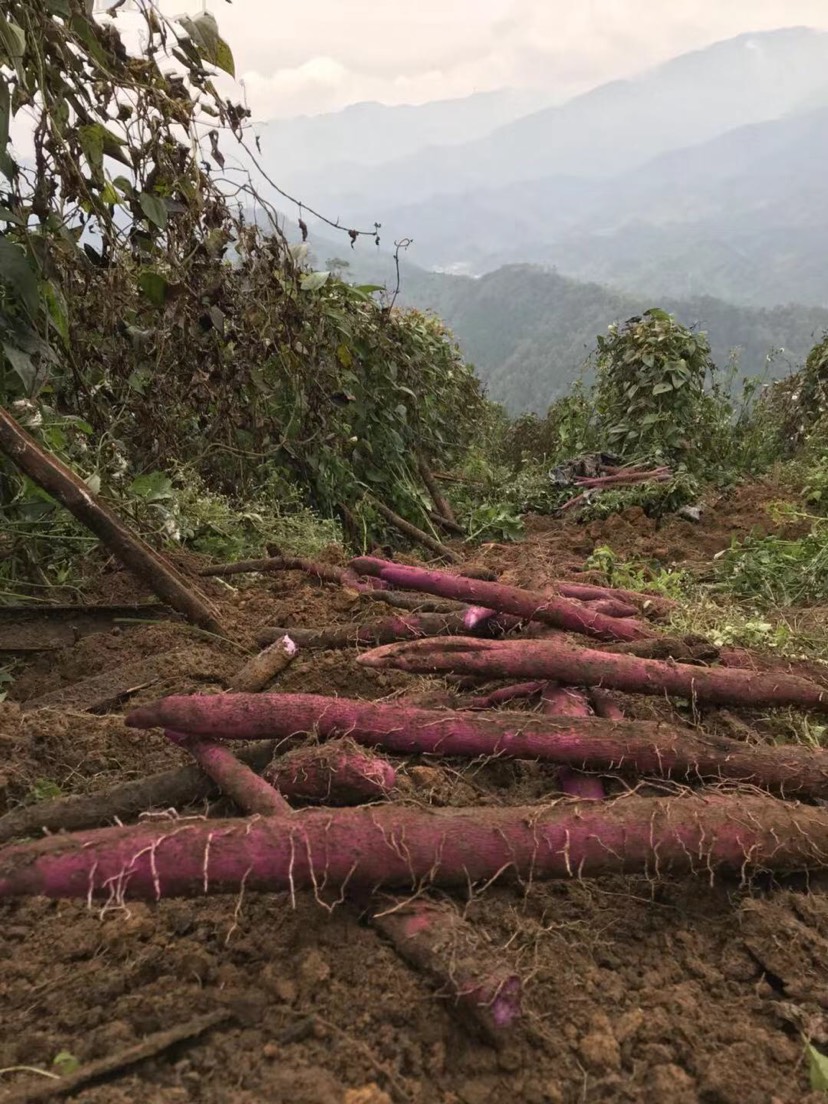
(635, 991)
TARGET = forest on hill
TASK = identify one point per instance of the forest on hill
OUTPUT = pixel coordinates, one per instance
(530, 332)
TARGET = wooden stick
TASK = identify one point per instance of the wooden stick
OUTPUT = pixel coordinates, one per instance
(449, 526)
(171, 789)
(59, 481)
(441, 504)
(150, 1047)
(414, 533)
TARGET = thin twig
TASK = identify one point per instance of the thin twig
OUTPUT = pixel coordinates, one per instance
(150, 1047)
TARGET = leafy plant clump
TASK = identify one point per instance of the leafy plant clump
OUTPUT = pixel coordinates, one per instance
(652, 392)
(639, 575)
(809, 394)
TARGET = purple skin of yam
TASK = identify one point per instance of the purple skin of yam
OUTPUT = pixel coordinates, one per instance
(477, 615)
(361, 847)
(352, 581)
(610, 607)
(525, 604)
(333, 774)
(558, 701)
(561, 661)
(434, 938)
(506, 694)
(639, 748)
(605, 706)
(235, 779)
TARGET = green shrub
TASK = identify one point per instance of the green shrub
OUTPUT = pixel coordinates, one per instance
(652, 393)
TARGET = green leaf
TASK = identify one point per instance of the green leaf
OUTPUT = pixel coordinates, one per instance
(154, 286)
(124, 186)
(82, 26)
(139, 380)
(17, 274)
(109, 196)
(203, 30)
(91, 141)
(662, 388)
(224, 58)
(154, 209)
(315, 280)
(58, 311)
(13, 47)
(152, 487)
(7, 165)
(65, 1062)
(113, 147)
(22, 365)
(818, 1068)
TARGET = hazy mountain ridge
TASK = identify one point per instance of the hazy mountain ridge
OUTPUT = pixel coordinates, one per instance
(369, 134)
(712, 217)
(607, 131)
(529, 331)
(728, 207)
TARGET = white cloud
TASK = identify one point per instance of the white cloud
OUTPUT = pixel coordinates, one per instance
(320, 55)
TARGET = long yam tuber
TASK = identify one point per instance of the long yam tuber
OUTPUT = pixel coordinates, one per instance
(585, 743)
(387, 845)
(524, 604)
(560, 661)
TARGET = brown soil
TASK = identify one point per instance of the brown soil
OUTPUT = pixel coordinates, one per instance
(635, 992)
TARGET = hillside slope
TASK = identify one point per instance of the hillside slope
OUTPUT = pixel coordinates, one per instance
(529, 331)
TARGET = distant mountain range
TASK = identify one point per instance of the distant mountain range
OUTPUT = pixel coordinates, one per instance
(699, 187)
(613, 128)
(311, 149)
(743, 216)
(703, 176)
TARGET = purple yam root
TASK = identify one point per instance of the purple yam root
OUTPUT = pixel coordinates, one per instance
(639, 748)
(525, 604)
(558, 701)
(437, 941)
(506, 694)
(563, 662)
(334, 849)
(235, 779)
(338, 773)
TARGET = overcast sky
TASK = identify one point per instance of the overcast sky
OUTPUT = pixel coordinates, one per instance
(308, 56)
